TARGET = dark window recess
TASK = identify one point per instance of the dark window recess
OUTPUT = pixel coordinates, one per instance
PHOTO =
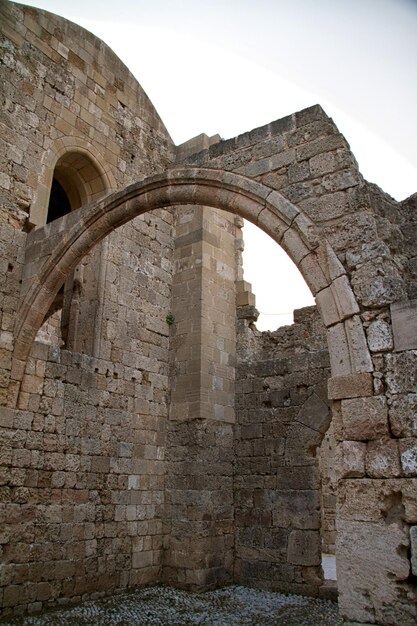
(59, 204)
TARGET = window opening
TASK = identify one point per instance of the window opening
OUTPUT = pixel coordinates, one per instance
(59, 204)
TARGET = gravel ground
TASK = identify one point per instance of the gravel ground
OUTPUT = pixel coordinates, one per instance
(164, 606)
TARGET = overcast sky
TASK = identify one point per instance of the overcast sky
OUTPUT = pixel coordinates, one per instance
(227, 66)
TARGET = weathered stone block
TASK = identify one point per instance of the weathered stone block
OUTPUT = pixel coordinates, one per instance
(403, 415)
(408, 454)
(401, 372)
(352, 459)
(315, 414)
(382, 459)
(323, 164)
(371, 561)
(359, 353)
(280, 398)
(350, 386)
(304, 547)
(379, 336)
(297, 509)
(404, 324)
(340, 358)
(375, 500)
(376, 284)
(365, 418)
(297, 478)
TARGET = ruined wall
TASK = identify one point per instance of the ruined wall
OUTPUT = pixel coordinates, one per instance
(67, 96)
(282, 413)
(305, 158)
(408, 221)
(62, 98)
(82, 479)
(82, 473)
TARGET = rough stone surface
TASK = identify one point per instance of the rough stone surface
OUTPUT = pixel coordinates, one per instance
(146, 438)
(370, 511)
(408, 453)
(376, 601)
(353, 459)
(280, 423)
(350, 386)
(404, 324)
(379, 336)
(382, 459)
(403, 415)
(413, 545)
(365, 418)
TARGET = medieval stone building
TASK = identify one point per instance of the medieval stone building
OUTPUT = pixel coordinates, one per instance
(149, 432)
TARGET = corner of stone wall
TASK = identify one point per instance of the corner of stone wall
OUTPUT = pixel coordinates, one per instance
(282, 412)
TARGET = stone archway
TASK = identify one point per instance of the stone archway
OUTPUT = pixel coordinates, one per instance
(79, 167)
(286, 224)
(73, 168)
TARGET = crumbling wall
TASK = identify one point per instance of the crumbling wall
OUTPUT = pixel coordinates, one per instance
(82, 478)
(409, 230)
(305, 158)
(81, 472)
(282, 413)
(64, 91)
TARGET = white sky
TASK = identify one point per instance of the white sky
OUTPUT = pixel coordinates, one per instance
(227, 66)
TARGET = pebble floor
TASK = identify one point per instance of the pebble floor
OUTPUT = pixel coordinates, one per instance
(164, 606)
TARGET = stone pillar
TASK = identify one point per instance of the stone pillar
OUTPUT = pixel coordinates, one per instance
(199, 494)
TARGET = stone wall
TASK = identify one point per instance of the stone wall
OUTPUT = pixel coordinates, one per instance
(305, 158)
(82, 473)
(409, 230)
(328, 463)
(67, 96)
(88, 445)
(82, 479)
(282, 413)
(63, 85)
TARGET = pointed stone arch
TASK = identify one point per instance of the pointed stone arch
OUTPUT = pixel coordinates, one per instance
(66, 241)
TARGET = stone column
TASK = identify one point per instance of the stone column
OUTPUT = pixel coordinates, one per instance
(199, 494)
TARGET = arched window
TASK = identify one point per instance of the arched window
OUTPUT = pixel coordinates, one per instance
(59, 203)
(77, 180)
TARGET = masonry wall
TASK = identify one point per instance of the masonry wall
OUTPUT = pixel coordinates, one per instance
(408, 221)
(65, 92)
(328, 468)
(199, 485)
(82, 459)
(82, 480)
(308, 161)
(282, 414)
